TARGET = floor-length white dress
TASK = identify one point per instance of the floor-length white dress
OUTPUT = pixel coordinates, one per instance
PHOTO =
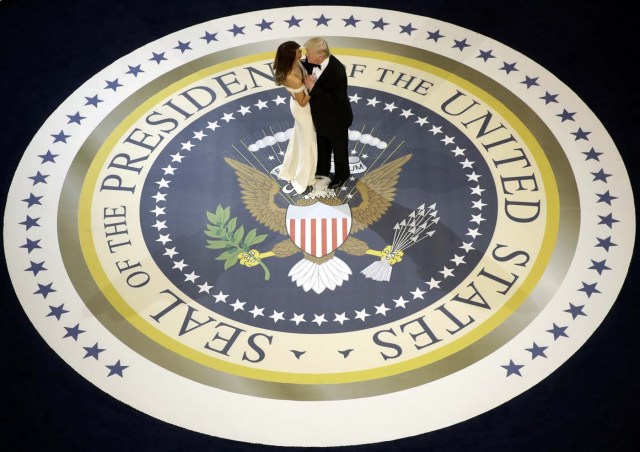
(301, 157)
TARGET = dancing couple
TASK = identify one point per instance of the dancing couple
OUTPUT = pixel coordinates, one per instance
(322, 115)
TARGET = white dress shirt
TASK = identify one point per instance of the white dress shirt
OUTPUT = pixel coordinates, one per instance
(317, 71)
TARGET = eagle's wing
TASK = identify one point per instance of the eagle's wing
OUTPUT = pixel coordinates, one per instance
(377, 189)
(258, 194)
(354, 246)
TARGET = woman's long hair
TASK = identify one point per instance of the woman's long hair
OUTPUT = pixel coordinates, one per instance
(285, 56)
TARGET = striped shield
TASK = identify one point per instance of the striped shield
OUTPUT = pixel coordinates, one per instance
(318, 229)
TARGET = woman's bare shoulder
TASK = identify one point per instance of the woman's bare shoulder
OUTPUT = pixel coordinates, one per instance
(293, 81)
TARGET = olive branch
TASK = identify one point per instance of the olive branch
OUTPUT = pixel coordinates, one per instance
(222, 229)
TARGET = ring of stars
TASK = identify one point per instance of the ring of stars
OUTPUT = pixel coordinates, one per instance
(256, 310)
(92, 102)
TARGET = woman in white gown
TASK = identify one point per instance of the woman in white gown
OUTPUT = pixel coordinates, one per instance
(300, 160)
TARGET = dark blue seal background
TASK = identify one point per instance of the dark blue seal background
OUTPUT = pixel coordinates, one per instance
(202, 180)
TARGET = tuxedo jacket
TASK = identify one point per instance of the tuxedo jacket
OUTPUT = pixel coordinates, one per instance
(330, 106)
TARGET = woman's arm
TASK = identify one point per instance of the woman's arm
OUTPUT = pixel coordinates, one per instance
(294, 82)
(302, 98)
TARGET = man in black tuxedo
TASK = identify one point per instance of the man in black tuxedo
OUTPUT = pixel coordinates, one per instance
(330, 109)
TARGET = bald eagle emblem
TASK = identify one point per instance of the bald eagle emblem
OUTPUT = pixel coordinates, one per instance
(318, 227)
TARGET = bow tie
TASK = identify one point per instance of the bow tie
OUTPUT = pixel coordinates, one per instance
(311, 65)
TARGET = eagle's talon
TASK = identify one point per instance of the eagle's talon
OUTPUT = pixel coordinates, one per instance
(252, 258)
(392, 257)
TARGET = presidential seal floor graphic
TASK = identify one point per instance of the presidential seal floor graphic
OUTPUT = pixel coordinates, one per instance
(481, 238)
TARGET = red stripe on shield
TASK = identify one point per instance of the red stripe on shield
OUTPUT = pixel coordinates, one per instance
(345, 229)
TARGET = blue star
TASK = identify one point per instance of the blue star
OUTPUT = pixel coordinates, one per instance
(116, 369)
(508, 67)
(605, 243)
(435, 35)
(593, 155)
(589, 289)
(36, 267)
(608, 220)
(44, 289)
(548, 98)
(600, 175)
(113, 84)
(264, 25)
(48, 157)
(293, 22)
(486, 55)
(606, 197)
(599, 266)
(76, 118)
(322, 21)
(31, 245)
(209, 37)
(536, 351)
(57, 312)
(566, 116)
(580, 134)
(95, 100)
(236, 30)
(575, 311)
(30, 222)
(408, 29)
(379, 24)
(93, 351)
(351, 21)
(39, 178)
(460, 44)
(32, 200)
(558, 331)
(530, 81)
(513, 368)
(134, 70)
(73, 332)
(157, 57)
(60, 137)
(183, 46)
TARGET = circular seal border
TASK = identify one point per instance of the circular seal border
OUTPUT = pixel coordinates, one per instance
(596, 170)
(323, 385)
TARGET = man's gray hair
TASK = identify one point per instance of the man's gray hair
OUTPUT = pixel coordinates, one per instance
(318, 45)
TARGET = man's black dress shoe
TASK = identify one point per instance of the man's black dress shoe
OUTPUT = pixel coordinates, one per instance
(336, 183)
